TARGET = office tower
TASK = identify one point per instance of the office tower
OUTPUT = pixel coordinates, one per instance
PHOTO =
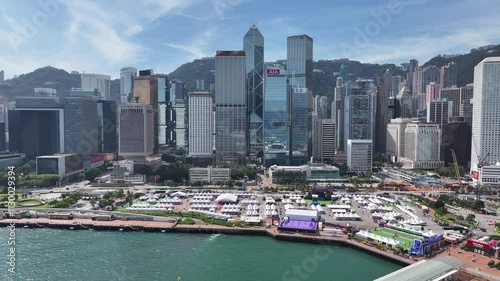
(299, 55)
(395, 144)
(452, 94)
(338, 112)
(127, 76)
(320, 108)
(384, 84)
(422, 146)
(466, 93)
(48, 125)
(253, 45)
(135, 140)
(4, 125)
(395, 85)
(107, 126)
(97, 81)
(412, 67)
(432, 92)
(448, 75)
(2, 76)
(200, 85)
(299, 118)
(45, 92)
(359, 155)
(457, 135)
(439, 111)
(230, 108)
(276, 123)
(486, 118)
(393, 108)
(323, 143)
(176, 99)
(423, 76)
(359, 111)
(405, 103)
(163, 104)
(146, 92)
(201, 124)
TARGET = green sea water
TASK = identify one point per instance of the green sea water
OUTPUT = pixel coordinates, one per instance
(73, 255)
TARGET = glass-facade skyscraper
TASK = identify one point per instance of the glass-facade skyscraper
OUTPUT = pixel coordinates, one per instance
(299, 57)
(230, 108)
(253, 45)
(127, 75)
(299, 125)
(276, 124)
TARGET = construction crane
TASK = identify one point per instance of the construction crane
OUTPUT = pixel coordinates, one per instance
(480, 164)
(457, 169)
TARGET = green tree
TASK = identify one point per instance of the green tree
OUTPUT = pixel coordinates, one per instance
(471, 218)
(90, 174)
(478, 205)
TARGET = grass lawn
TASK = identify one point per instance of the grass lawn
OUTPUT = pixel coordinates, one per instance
(322, 202)
(405, 238)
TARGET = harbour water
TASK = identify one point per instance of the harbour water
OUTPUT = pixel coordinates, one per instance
(52, 254)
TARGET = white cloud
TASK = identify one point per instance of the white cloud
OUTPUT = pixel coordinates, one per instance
(198, 46)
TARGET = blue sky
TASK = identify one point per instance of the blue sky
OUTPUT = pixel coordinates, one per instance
(103, 36)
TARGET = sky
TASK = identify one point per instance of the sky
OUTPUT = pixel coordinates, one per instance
(102, 36)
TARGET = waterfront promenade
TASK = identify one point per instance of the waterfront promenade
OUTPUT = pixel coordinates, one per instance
(201, 228)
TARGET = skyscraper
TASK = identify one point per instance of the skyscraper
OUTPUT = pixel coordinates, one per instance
(395, 85)
(176, 131)
(395, 145)
(449, 74)
(412, 67)
(452, 94)
(384, 84)
(299, 61)
(276, 123)
(146, 92)
(422, 146)
(127, 76)
(230, 108)
(486, 118)
(2, 76)
(253, 45)
(439, 111)
(359, 155)
(97, 81)
(359, 111)
(432, 92)
(201, 124)
(135, 131)
(107, 126)
(320, 108)
(323, 144)
(299, 139)
(405, 103)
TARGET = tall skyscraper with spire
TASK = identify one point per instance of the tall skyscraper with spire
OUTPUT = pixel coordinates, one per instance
(253, 45)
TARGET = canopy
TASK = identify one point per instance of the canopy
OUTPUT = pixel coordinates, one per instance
(227, 197)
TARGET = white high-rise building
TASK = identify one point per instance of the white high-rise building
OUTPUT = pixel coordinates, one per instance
(359, 155)
(201, 123)
(422, 146)
(395, 142)
(127, 75)
(97, 81)
(486, 121)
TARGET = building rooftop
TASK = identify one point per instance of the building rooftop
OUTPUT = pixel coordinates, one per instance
(435, 269)
(491, 60)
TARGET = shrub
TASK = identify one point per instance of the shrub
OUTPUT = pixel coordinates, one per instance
(491, 263)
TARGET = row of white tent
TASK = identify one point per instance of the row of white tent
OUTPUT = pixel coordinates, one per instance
(271, 213)
(381, 239)
(271, 207)
(390, 214)
(146, 205)
(149, 209)
(202, 209)
(317, 208)
(171, 200)
(252, 213)
(249, 201)
(293, 196)
(252, 207)
(197, 201)
(347, 216)
(413, 222)
(203, 206)
(203, 197)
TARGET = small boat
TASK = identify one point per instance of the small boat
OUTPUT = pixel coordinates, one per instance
(121, 229)
(25, 226)
(71, 228)
(163, 230)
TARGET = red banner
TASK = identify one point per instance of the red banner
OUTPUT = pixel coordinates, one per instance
(96, 158)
